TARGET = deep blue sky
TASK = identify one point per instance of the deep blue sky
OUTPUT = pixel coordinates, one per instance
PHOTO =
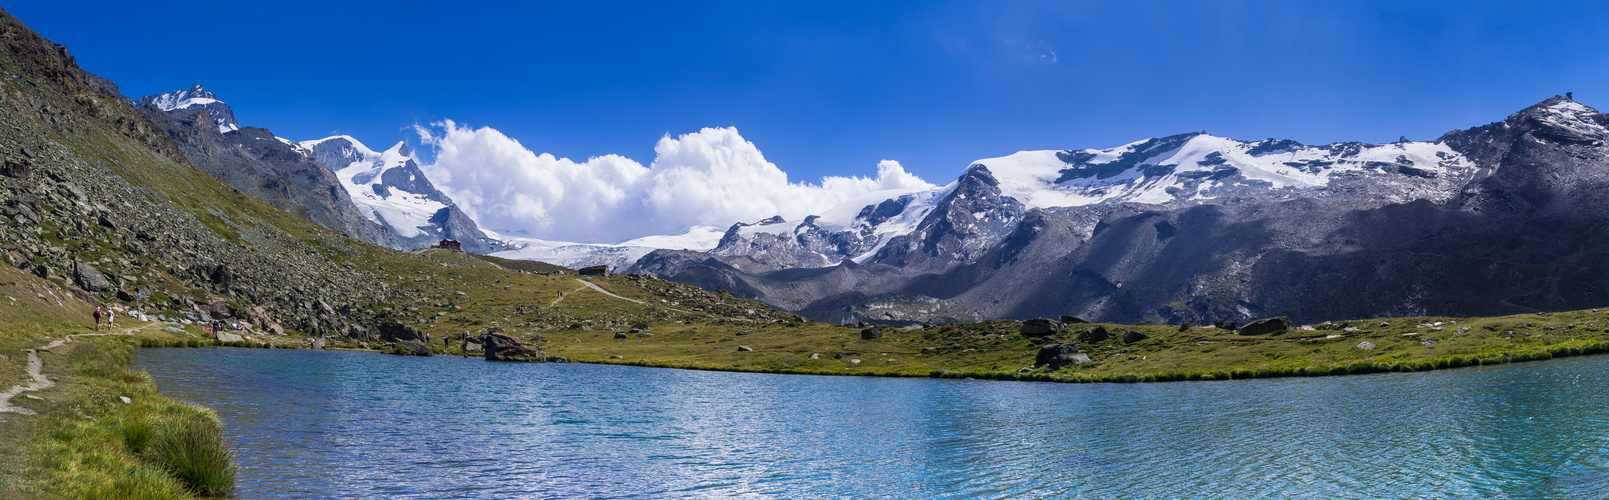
(831, 88)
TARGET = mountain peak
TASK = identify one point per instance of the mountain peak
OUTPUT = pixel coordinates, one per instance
(196, 96)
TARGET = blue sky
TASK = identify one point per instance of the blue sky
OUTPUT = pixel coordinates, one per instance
(830, 88)
(823, 88)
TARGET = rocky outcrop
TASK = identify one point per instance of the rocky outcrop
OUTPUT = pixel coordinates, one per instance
(871, 333)
(391, 331)
(500, 347)
(1132, 336)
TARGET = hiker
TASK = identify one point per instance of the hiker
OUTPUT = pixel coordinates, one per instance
(97, 319)
(111, 319)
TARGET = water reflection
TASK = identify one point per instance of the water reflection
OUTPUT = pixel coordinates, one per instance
(366, 425)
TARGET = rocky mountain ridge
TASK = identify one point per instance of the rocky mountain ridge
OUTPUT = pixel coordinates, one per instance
(389, 188)
(1197, 228)
(377, 197)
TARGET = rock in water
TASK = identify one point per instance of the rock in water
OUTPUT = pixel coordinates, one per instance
(1266, 326)
(1039, 327)
(1097, 334)
(1133, 336)
(501, 347)
(871, 333)
(1056, 356)
(415, 347)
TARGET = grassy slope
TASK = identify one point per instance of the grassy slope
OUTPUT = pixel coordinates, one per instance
(84, 442)
(582, 327)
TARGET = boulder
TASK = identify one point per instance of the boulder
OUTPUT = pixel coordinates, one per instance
(391, 331)
(871, 333)
(221, 275)
(258, 316)
(1096, 334)
(229, 337)
(415, 347)
(1185, 327)
(1366, 345)
(1133, 336)
(1056, 356)
(16, 170)
(1039, 327)
(89, 278)
(1226, 325)
(621, 335)
(1266, 326)
(501, 347)
(1072, 320)
(744, 348)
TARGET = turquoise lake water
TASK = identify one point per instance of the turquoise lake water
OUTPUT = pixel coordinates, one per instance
(314, 424)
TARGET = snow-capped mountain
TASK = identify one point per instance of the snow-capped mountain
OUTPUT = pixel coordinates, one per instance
(1195, 227)
(194, 97)
(1177, 170)
(389, 188)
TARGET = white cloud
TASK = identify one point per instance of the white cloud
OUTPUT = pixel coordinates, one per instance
(711, 177)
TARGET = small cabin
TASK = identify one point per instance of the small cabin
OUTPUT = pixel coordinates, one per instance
(450, 245)
(594, 271)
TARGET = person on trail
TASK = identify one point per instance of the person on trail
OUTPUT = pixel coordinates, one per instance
(97, 319)
(111, 319)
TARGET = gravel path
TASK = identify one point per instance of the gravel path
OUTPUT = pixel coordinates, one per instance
(36, 378)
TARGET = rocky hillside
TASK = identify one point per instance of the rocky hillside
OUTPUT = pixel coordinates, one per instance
(1493, 220)
(99, 200)
(259, 164)
(336, 182)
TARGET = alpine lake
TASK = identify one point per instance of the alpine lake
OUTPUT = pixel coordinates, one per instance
(354, 424)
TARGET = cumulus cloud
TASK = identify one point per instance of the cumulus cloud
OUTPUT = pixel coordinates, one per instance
(712, 177)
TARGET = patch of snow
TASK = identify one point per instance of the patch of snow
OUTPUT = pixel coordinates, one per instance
(575, 255)
(404, 212)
